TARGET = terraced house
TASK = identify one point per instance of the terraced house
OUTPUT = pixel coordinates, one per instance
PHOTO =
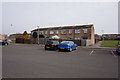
(78, 32)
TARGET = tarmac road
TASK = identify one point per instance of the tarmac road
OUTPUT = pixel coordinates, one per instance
(32, 61)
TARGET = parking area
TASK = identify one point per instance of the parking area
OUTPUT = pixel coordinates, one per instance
(32, 61)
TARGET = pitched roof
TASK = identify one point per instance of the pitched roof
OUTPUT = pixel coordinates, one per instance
(65, 27)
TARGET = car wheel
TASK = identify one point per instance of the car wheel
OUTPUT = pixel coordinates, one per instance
(45, 48)
(59, 49)
(55, 48)
(6, 43)
(76, 48)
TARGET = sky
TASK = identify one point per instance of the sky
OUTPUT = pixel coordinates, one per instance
(26, 16)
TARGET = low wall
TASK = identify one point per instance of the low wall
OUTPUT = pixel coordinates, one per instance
(88, 42)
(85, 42)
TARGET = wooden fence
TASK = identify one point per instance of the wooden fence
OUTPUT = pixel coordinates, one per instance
(44, 40)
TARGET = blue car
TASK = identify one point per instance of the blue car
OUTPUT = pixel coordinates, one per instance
(67, 45)
(118, 48)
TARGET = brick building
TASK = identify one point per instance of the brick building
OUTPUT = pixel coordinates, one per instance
(78, 32)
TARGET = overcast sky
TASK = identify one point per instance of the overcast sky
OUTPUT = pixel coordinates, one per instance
(27, 15)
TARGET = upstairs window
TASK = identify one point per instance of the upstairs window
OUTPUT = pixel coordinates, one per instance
(51, 32)
(45, 32)
(70, 31)
(57, 31)
(85, 30)
(77, 31)
(41, 32)
(63, 31)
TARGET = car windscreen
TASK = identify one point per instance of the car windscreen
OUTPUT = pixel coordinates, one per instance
(64, 42)
(49, 42)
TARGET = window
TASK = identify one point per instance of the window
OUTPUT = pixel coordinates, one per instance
(56, 42)
(69, 37)
(57, 31)
(45, 32)
(64, 42)
(77, 38)
(85, 30)
(77, 31)
(70, 31)
(85, 37)
(51, 32)
(41, 32)
(63, 31)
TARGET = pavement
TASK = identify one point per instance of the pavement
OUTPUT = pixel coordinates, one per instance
(32, 61)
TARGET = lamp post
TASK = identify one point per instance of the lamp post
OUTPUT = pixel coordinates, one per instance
(103, 34)
(38, 34)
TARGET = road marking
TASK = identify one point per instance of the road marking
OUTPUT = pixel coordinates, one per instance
(91, 52)
(113, 54)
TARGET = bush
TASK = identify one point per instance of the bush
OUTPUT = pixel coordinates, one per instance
(34, 35)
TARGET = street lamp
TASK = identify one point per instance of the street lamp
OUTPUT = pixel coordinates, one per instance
(38, 34)
(103, 34)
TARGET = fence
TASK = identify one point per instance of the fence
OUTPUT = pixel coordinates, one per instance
(24, 41)
(19, 40)
(44, 40)
(31, 41)
(78, 42)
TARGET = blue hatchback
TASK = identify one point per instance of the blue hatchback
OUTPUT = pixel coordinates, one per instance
(67, 45)
(118, 48)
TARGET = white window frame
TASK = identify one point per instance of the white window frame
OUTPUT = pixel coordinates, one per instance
(77, 38)
(85, 30)
(41, 32)
(77, 30)
(62, 31)
(51, 32)
(46, 32)
(57, 32)
(70, 31)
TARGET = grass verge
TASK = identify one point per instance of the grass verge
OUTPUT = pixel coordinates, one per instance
(109, 43)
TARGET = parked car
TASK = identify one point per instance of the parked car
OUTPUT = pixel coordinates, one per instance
(9, 41)
(52, 45)
(118, 48)
(3, 42)
(67, 45)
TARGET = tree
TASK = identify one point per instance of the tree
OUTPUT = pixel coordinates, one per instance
(34, 35)
(25, 35)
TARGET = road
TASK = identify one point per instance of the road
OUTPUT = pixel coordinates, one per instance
(32, 61)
